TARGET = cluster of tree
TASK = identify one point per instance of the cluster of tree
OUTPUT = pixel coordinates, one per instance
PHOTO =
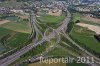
(71, 24)
(97, 37)
(96, 14)
(4, 16)
(4, 39)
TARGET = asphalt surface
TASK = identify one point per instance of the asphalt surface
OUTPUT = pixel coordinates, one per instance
(86, 53)
(35, 26)
(10, 59)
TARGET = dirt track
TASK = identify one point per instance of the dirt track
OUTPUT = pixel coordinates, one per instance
(94, 28)
(4, 21)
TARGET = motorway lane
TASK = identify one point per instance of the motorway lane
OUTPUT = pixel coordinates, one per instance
(62, 27)
(8, 60)
(35, 26)
(86, 53)
(35, 58)
(44, 54)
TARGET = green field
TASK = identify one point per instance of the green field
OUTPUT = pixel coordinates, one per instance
(46, 21)
(85, 37)
(2, 48)
(58, 52)
(76, 64)
(12, 18)
(18, 31)
(46, 64)
(51, 19)
(17, 39)
(3, 32)
(77, 16)
(18, 26)
(57, 64)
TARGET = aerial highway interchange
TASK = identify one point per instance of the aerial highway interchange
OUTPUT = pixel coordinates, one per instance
(56, 33)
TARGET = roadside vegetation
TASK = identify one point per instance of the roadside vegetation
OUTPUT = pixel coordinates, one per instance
(35, 51)
(58, 52)
(19, 26)
(50, 21)
(13, 34)
(76, 64)
(47, 64)
(83, 36)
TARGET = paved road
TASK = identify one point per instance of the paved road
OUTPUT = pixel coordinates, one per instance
(44, 54)
(86, 53)
(10, 59)
(35, 26)
(62, 27)
(36, 57)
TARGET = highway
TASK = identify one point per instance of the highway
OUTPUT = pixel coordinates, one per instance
(35, 27)
(45, 56)
(85, 52)
(37, 57)
(10, 59)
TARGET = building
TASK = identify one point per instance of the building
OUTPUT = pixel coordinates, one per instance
(4, 10)
(55, 12)
(19, 11)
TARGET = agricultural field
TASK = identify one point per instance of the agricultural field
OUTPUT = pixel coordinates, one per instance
(46, 21)
(76, 16)
(58, 52)
(3, 32)
(14, 34)
(2, 48)
(86, 37)
(15, 40)
(83, 19)
(18, 27)
(83, 35)
(50, 19)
